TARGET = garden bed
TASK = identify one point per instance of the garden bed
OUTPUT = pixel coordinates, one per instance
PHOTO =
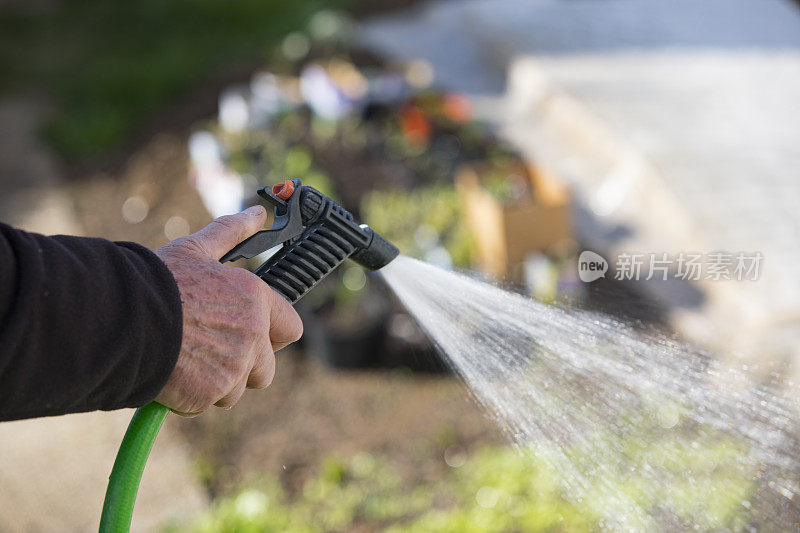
(386, 145)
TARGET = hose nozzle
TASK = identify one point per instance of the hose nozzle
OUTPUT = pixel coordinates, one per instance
(317, 236)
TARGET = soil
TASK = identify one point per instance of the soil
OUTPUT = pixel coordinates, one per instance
(311, 413)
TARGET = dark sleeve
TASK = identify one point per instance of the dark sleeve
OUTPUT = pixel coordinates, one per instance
(85, 324)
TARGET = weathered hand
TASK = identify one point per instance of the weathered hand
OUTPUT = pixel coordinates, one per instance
(232, 321)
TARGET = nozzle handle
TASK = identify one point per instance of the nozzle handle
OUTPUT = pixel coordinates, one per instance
(331, 236)
(317, 236)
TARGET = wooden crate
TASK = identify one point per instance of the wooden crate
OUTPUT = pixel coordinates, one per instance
(506, 235)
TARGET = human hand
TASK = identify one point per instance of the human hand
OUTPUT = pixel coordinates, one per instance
(233, 322)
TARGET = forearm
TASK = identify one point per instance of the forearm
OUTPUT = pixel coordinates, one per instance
(85, 324)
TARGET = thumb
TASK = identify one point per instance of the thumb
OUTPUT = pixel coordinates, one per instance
(227, 231)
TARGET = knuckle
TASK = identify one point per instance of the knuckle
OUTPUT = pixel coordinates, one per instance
(253, 328)
(243, 367)
(253, 284)
(296, 327)
(217, 386)
(227, 402)
(248, 285)
(238, 366)
(233, 396)
(289, 327)
(263, 378)
(230, 223)
(191, 243)
(255, 309)
(202, 399)
(212, 395)
(260, 382)
(215, 400)
(285, 321)
(290, 333)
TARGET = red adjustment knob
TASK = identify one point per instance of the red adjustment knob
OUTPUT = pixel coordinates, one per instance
(283, 190)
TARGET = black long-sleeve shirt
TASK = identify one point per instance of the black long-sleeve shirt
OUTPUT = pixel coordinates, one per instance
(85, 324)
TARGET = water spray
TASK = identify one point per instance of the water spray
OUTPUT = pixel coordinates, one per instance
(315, 236)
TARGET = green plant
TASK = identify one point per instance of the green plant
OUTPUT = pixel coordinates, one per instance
(270, 159)
(420, 218)
(500, 489)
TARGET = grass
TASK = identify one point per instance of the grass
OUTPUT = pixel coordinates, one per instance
(107, 65)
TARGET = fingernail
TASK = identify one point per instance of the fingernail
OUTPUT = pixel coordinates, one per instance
(255, 211)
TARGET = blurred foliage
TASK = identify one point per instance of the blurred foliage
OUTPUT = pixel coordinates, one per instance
(506, 179)
(402, 216)
(106, 64)
(497, 489)
(269, 159)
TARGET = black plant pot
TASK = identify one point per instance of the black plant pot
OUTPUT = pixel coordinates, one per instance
(351, 334)
(360, 349)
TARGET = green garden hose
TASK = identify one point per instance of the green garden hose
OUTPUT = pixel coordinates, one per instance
(123, 483)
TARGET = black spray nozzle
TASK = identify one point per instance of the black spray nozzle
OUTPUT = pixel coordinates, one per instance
(316, 236)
